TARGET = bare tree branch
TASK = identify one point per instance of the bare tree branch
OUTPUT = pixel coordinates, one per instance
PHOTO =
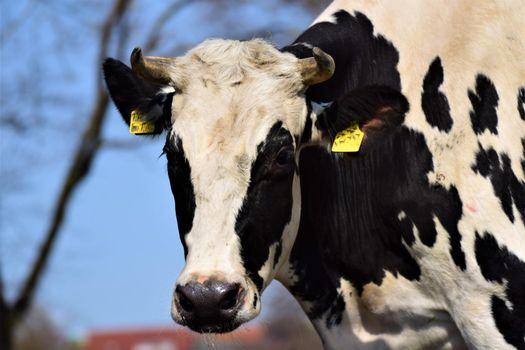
(10, 27)
(5, 316)
(154, 35)
(79, 168)
(121, 144)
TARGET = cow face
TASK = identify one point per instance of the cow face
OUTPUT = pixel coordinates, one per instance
(231, 163)
(234, 113)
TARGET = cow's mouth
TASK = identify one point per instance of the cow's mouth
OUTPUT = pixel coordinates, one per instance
(217, 329)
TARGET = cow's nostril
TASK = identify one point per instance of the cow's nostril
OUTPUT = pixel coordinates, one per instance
(211, 306)
(229, 298)
(184, 301)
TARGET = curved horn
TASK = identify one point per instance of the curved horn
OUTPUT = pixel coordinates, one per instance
(155, 69)
(317, 69)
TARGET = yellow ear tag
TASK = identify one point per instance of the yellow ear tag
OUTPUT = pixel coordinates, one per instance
(349, 139)
(139, 125)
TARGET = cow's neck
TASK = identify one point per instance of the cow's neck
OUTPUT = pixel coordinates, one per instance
(361, 59)
(347, 239)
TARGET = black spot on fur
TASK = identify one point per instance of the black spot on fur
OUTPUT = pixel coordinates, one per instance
(405, 226)
(307, 132)
(523, 152)
(335, 313)
(501, 266)
(521, 102)
(267, 206)
(179, 172)
(434, 102)
(449, 217)
(507, 187)
(278, 252)
(484, 103)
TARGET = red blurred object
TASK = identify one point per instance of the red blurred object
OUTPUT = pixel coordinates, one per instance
(141, 339)
(165, 338)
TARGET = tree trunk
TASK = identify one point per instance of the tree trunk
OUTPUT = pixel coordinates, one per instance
(6, 329)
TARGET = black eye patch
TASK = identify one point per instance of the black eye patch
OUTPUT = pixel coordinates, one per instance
(179, 172)
(275, 155)
(267, 206)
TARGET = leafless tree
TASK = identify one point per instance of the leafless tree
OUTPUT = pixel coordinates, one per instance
(12, 313)
(37, 331)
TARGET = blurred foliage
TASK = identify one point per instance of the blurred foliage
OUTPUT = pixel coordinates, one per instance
(38, 332)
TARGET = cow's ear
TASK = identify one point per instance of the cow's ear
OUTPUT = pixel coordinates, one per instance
(132, 95)
(378, 111)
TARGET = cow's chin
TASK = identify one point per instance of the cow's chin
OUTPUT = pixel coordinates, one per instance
(218, 328)
(223, 327)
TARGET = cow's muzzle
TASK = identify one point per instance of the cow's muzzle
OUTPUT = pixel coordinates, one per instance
(209, 307)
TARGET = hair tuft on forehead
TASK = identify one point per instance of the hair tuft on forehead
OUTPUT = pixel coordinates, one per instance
(231, 61)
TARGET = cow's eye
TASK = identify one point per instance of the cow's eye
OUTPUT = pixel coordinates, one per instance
(284, 158)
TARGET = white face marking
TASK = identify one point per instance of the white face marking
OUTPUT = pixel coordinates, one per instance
(232, 94)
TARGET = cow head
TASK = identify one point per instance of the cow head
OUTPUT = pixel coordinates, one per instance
(235, 114)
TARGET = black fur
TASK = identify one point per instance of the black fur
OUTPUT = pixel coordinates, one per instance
(521, 102)
(307, 133)
(507, 187)
(434, 102)
(349, 222)
(130, 92)
(523, 152)
(484, 103)
(499, 265)
(179, 172)
(267, 206)
(336, 311)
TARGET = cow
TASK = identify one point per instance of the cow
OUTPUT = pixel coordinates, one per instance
(412, 237)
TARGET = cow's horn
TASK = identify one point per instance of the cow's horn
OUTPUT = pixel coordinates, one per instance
(317, 69)
(155, 69)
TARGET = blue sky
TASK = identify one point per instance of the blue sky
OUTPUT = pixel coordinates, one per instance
(119, 252)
